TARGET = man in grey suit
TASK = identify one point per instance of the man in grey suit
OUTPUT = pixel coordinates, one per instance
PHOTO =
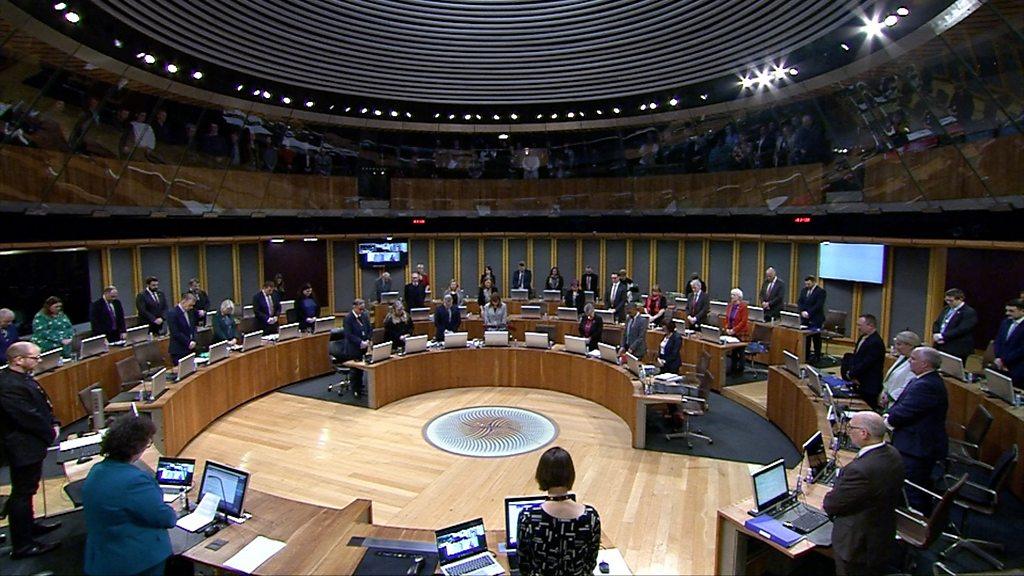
(772, 295)
(382, 284)
(863, 502)
(634, 337)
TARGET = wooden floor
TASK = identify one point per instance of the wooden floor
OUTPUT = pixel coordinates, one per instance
(659, 509)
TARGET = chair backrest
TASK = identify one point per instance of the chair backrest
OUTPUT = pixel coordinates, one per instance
(549, 330)
(377, 337)
(85, 397)
(939, 519)
(989, 357)
(128, 371)
(1002, 469)
(292, 315)
(835, 321)
(761, 333)
(978, 426)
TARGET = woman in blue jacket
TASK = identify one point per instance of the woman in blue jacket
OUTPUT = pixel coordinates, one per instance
(126, 519)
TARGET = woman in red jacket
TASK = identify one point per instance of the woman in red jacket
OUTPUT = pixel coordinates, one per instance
(736, 323)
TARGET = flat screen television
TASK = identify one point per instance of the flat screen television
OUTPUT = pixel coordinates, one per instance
(854, 262)
(383, 254)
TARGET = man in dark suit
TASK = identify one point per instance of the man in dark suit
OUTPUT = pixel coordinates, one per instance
(698, 305)
(864, 365)
(27, 428)
(151, 304)
(358, 336)
(773, 294)
(1009, 344)
(953, 330)
(202, 302)
(106, 316)
(446, 318)
(382, 285)
(812, 314)
(574, 297)
(266, 308)
(863, 502)
(918, 423)
(182, 328)
(634, 337)
(591, 326)
(415, 293)
(522, 279)
(617, 292)
(590, 281)
(8, 332)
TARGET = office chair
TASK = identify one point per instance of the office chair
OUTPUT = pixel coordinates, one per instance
(550, 330)
(336, 350)
(377, 336)
(695, 404)
(291, 316)
(983, 498)
(129, 373)
(834, 327)
(966, 451)
(149, 356)
(919, 531)
(988, 358)
(760, 343)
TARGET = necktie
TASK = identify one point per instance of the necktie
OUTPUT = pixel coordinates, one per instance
(110, 310)
(153, 294)
(615, 288)
(270, 306)
(946, 319)
(1009, 330)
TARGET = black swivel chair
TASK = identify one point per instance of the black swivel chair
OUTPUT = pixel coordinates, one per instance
(336, 350)
(966, 450)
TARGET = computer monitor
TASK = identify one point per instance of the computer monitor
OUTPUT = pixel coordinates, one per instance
(951, 366)
(175, 471)
(537, 340)
(456, 339)
(710, 333)
(380, 352)
(791, 363)
(608, 353)
(93, 347)
(607, 316)
(814, 451)
(287, 305)
(149, 356)
(186, 366)
(552, 295)
(634, 366)
(228, 483)
(419, 314)
(519, 294)
(770, 485)
(48, 361)
(588, 296)
(248, 312)
(526, 311)
(204, 335)
(514, 505)
(814, 381)
(323, 324)
(136, 335)
(496, 338)
(252, 340)
(218, 352)
(388, 297)
(718, 308)
(567, 313)
(157, 384)
(576, 344)
(414, 344)
(1000, 386)
(288, 332)
(789, 319)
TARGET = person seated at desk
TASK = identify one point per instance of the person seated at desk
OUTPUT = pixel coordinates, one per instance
(51, 328)
(554, 280)
(8, 332)
(182, 331)
(561, 536)
(126, 519)
(574, 297)
(224, 325)
(634, 337)
(455, 291)
(864, 365)
(591, 326)
(106, 316)
(863, 502)
(397, 325)
(736, 323)
(446, 318)
(655, 305)
(899, 374)
(415, 293)
(495, 314)
(483, 296)
(306, 308)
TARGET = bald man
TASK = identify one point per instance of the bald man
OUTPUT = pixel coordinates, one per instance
(863, 502)
(27, 429)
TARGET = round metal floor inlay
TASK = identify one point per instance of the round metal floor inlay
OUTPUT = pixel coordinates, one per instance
(490, 431)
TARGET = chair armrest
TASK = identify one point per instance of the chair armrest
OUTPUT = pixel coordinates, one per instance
(694, 399)
(976, 486)
(979, 465)
(921, 489)
(964, 443)
(911, 518)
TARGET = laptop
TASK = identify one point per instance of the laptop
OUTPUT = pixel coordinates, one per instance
(323, 324)
(288, 332)
(379, 352)
(552, 295)
(48, 361)
(419, 314)
(710, 334)
(248, 312)
(252, 340)
(771, 487)
(519, 294)
(588, 296)
(388, 297)
(952, 366)
(567, 313)
(454, 340)
(529, 311)
(136, 335)
(496, 338)
(817, 459)
(157, 384)
(718, 308)
(93, 347)
(462, 549)
(576, 345)
(790, 319)
(287, 305)
(414, 344)
(218, 352)
(186, 366)
(607, 316)
(1000, 386)
(537, 340)
(174, 475)
(638, 368)
(791, 363)
(204, 335)
(608, 353)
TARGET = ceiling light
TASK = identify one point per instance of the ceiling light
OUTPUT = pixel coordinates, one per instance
(310, 103)
(582, 114)
(502, 136)
(377, 112)
(571, 115)
(266, 94)
(149, 59)
(674, 102)
(363, 110)
(654, 105)
(197, 75)
(254, 92)
(347, 108)
(539, 116)
(140, 55)
(793, 71)
(239, 87)
(118, 43)
(746, 82)
(599, 113)
(60, 6)
(616, 110)
(277, 240)
(331, 107)
(779, 73)
(903, 11)
(763, 79)
(437, 115)
(845, 46)
(72, 17)
(478, 117)
(703, 96)
(408, 114)
(286, 100)
(643, 106)
(872, 28)
(514, 116)
(468, 116)
(451, 116)
(394, 113)
(496, 117)
(554, 116)
(310, 239)
(172, 68)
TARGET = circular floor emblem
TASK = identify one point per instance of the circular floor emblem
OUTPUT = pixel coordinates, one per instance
(490, 431)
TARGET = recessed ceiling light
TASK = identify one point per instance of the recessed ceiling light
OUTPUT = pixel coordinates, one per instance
(377, 112)
(140, 55)
(72, 17)
(643, 106)
(394, 113)
(599, 113)
(118, 43)
(703, 96)
(616, 110)
(674, 102)
(172, 68)
(477, 116)
(746, 82)
(256, 92)
(266, 94)
(793, 71)
(502, 136)
(437, 115)
(310, 103)
(539, 116)
(654, 105)
(582, 114)
(496, 117)
(363, 110)
(845, 46)
(451, 116)
(286, 100)
(348, 108)
(514, 116)
(872, 28)
(149, 59)
(554, 116)
(197, 75)
(408, 114)
(467, 117)
(903, 11)
(60, 6)
(239, 87)
(571, 115)
(891, 20)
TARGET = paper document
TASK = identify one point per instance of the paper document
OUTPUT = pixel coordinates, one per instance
(616, 564)
(668, 377)
(203, 515)
(83, 441)
(595, 353)
(254, 554)
(729, 339)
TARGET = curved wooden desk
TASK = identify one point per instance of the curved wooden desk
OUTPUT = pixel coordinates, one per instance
(191, 405)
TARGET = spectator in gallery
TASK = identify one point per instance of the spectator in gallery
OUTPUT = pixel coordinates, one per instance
(161, 129)
(212, 143)
(808, 142)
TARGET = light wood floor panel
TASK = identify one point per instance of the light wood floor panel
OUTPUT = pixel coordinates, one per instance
(659, 509)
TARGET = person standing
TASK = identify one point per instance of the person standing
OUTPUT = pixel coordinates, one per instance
(182, 329)
(8, 332)
(617, 297)
(574, 297)
(864, 365)
(415, 293)
(812, 314)
(522, 279)
(382, 285)
(634, 337)
(106, 316)
(1009, 344)
(736, 323)
(589, 281)
(655, 305)
(151, 304)
(899, 374)
(554, 280)
(446, 318)
(27, 429)
(51, 328)
(397, 326)
(863, 502)
(358, 335)
(202, 302)
(306, 308)
(953, 330)
(224, 326)
(266, 308)
(772, 295)
(126, 534)
(698, 305)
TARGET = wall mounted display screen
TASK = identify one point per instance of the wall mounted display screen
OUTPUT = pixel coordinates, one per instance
(385, 254)
(854, 262)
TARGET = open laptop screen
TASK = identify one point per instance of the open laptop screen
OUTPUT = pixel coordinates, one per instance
(460, 541)
(792, 363)
(175, 471)
(770, 485)
(814, 450)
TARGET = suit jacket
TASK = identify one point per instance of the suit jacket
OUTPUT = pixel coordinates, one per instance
(380, 286)
(26, 419)
(865, 366)
(634, 337)
(182, 332)
(958, 337)
(264, 314)
(415, 295)
(149, 310)
(619, 302)
(523, 279)
(774, 298)
(863, 506)
(126, 519)
(102, 323)
(590, 282)
(596, 327)
(1011, 350)
(224, 328)
(202, 303)
(446, 319)
(669, 354)
(555, 283)
(918, 418)
(575, 300)
(698, 306)
(740, 323)
(357, 330)
(8, 336)
(814, 304)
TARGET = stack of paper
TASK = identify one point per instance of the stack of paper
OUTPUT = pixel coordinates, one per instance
(254, 554)
(203, 515)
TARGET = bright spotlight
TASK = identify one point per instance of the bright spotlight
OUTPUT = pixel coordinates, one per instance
(310, 103)
(364, 110)
(845, 47)
(437, 115)
(599, 112)
(377, 112)
(539, 116)
(673, 102)
(478, 117)
(514, 116)
(643, 107)
(60, 6)
(653, 105)
(793, 71)
(197, 75)
(239, 87)
(172, 69)
(703, 96)
(408, 114)
(256, 92)
(149, 59)
(616, 110)
(891, 20)
(746, 82)
(286, 100)
(451, 116)
(467, 117)
(72, 17)
(554, 116)
(872, 28)
(266, 95)
(502, 136)
(763, 79)
(571, 115)
(496, 117)
(903, 11)
(394, 113)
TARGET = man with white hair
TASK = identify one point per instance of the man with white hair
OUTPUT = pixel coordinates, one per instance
(8, 332)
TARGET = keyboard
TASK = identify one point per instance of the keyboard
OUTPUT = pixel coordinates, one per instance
(471, 566)
(808, 521)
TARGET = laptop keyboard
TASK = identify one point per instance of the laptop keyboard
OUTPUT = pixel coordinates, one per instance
(808, 521)
(471, 566)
